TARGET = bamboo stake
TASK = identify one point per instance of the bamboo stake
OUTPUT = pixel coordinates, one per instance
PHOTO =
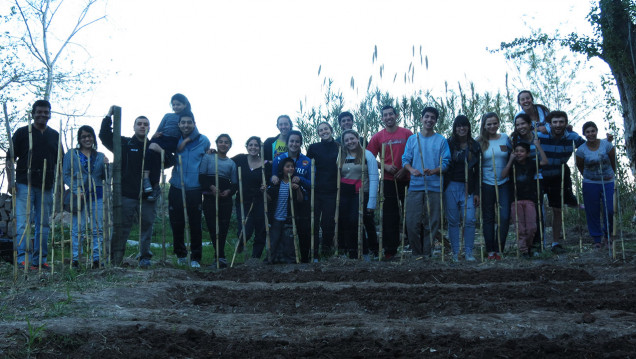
(185, 212)
(107, 214)
(481, 217)
(242, 234)
(11, 169)
(539, 206)
(578, 199)
(441, 205)
(563, 201)
(361, 210)
(267, 238)
(514, 179)
(70, 232)
(609, 247)
(428, 205)
(403, 234)
(42, 218)
(463, 222)
(240, 179)
(163, 208)
(84, 212)
(380, 236)
(28, 202)
(620, 218)
(102, 248)
(291, 203)
(216, 206)
(336, 217)
(141, 188)
(60, 180)
(497, 206)
(397, 192)
(56, 178)
(313, 190)
(91, 212)
(615, 205)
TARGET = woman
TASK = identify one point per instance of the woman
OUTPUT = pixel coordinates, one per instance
(303, 178)
(87, 167)
(325, 154)
(596, 160)
(495, 149)
(250, 166)
(537, 113)
(185, 177)
(461, 193)
(351, 173)
(223, 190)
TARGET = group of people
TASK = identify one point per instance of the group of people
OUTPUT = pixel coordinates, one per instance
(421, 177)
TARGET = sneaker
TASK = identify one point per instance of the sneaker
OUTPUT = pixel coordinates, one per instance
(21, 265)
(454, 258)
(491, 256)
(222, 263)
(147, 185)
(558, 249)
(469, 257)
(44, 266)
(596, 245)
(497, 256)
(145, 263)
(182, 261)
(366, 258)
(195, 264)
(75, 264)
(154, 194)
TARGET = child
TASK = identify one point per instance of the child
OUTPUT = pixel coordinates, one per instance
(524, 208)
(281, 232)
(166, 137)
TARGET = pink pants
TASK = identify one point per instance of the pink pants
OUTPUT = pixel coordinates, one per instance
(526, 220)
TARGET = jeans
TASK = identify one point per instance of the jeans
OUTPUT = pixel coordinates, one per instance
(592, 197)
(255, 224)
(39, 201)
(419, 218)
(393, 195)
(455, 198)
(490, 223)
(177, 222)
(88, 225)
(129, 213)
(225, 213)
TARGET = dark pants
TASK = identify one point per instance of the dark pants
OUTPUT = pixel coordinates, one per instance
(491, 223)
(255, 224)
(303, 226)
(348, 225)
(177, 222)
(391, 215)
(282, 241)
(324, 215)
(225, 213)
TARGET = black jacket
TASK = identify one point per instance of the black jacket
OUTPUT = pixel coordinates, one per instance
(474, 174)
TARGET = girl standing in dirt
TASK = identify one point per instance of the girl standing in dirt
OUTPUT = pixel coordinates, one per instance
(524, 209)
(228, 183)
(280, 212)
(87, 192)
(596, 160)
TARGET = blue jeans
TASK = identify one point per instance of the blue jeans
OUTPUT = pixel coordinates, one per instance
(39, 201)
(80, 231)
(592, 197)
(488, 202)
(455, 198)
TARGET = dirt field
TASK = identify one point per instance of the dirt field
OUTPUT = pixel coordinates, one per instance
(573, 305)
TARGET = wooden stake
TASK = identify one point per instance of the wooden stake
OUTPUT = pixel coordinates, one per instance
(578, 199)
(609, 247)
(620, 216)
(216, 205)
(242, 234)
(240, 179)
(481, 216)
(267, 238)
(11, 169)
(291, 203)
(381, 208)
(91, 212)
(28, 203)
(163, 208)
(336, 217)
(403, 234)
(70, 232)
(313, 190)
(441, 205)
(497, 205)
(116, 180)
(463, 222)
(563, 200)
(141, 188)
(42, 218)
(185, 212)
(514, 179)
(428, 205)
(539, 206)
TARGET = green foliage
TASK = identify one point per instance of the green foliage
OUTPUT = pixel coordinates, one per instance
(34, 337)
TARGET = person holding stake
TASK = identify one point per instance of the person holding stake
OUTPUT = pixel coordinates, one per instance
(191, 155)
(495, 149)
(461, 191)
(30, 154)
(132, 159)
(221, 191)
(424, 188)
(86, 183)
(524, 210)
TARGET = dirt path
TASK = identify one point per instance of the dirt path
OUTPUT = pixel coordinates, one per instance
(568, 306)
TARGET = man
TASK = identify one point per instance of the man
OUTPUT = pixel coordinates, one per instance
(421, 158)
(393, 137)
(44, 147)
(277, 145)
(345, 121)
(558, 145)
(131, 157)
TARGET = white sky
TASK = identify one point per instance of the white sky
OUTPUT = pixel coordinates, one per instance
(243, 63)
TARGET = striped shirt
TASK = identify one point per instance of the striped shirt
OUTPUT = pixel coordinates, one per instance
(558, 151)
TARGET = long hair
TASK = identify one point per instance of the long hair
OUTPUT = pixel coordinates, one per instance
(89, 129)
(359, 151)
(483, 134)
(516, 137)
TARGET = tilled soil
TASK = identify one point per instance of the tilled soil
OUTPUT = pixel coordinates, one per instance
(579, 306)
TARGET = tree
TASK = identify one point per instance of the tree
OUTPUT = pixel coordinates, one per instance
(613, 41)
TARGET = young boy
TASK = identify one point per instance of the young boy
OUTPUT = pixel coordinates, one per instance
(524, 208)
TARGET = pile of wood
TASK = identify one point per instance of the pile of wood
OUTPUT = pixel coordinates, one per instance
(7, 229)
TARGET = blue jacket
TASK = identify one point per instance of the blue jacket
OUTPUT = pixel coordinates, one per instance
(303, 169)
(97, 172)
(191, 157)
